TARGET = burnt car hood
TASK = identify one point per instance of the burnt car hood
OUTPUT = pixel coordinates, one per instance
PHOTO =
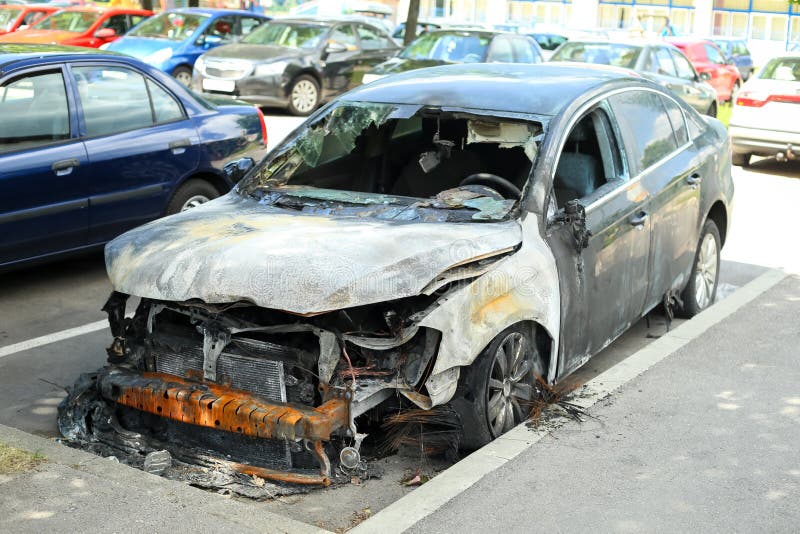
(398, 64)
(254, 52)
(235, 248)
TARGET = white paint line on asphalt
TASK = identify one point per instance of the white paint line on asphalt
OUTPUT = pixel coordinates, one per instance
(425, 500)
(52, 338)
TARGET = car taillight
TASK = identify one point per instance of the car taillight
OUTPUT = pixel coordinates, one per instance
(263, 125)
(757, 100)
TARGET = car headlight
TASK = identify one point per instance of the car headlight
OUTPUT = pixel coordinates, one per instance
(200, 64)
(372, 77)
(159, 56)
(269, 69)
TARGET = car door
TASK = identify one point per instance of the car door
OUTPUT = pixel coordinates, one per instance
(340, 56)
(722, 78)
(692, 92)
(43, 167)
(670, 172)
(602, 273)
(376, 47)
(140, 144)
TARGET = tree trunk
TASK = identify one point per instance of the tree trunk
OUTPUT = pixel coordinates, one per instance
(411, 21)
(194, 3)
(147, 4)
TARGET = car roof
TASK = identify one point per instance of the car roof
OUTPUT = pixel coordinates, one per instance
(213, 11)
(328, 21)
(487, 32)
(540, 89)
(15, 55)
(101, 9)
(688, 40)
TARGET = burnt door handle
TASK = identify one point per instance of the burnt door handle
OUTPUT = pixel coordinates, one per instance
(64, 167)
(179, 146)
(639, 219)
(694, 180)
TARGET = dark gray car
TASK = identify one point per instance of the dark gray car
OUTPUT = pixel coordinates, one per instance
(442, 239)
(295, 63)
(660, 62)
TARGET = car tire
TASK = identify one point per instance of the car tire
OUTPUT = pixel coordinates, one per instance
(481, 385)
(736, 86)
(701, 290)
(183, 75)
(741, 160)
(712, 110)
(303, 95)
(191, 194)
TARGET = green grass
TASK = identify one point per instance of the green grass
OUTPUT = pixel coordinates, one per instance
(724, 113)
(16, 460)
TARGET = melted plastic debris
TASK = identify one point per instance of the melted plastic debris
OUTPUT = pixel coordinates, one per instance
(506, 135)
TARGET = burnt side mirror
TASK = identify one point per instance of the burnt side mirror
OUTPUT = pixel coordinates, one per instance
(574, 216)
(235, 170)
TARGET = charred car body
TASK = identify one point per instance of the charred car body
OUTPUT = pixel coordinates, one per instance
(423, 241)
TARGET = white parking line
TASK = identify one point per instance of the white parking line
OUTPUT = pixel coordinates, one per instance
(52, 338)
(428, 498)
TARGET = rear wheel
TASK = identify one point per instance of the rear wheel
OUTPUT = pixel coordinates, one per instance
(495, 392)
(191, 194)
(737, 84)
(712, 110)
(303, 95)
(183, 75)
(741, 160)
(701, 290)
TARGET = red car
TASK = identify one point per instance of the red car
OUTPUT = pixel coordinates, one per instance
(80, 26)
(21, 16)
(707, 57)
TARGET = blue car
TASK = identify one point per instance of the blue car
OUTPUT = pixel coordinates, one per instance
(171, 41)
(737, 50)
(93, 144)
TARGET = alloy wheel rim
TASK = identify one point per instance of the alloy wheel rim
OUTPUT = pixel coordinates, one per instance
(304, 96)
(509, 388)
(705, 274)
(194, 201)
(184, 78)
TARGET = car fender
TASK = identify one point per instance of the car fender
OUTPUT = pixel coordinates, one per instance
(523, 287)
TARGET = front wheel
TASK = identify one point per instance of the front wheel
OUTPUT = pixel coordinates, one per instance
(701, 290)
(303, 95)
(495, 392)
(183, 75)
(740, 160)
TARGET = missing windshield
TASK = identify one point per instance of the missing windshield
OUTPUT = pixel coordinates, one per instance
(401, 162)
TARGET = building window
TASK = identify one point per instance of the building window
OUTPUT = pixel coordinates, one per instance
(728, 24)
(768, 27)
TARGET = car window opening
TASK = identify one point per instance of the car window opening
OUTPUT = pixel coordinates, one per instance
(425, 165)
(589, 160)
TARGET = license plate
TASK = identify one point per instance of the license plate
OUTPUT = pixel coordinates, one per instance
(226, 86)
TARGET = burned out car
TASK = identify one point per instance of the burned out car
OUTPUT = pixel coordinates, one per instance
(449, 239)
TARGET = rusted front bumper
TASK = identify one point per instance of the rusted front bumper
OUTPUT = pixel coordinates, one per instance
(216, 406)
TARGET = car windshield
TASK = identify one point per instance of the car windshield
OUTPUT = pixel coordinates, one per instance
(7, 18)
(452, 46)
(618, 55)
(292, 35)
(172, 26)
(68, 21)
(784, 69)
(400, 162)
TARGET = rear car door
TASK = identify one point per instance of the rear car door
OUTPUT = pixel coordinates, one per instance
(43, 167)
(376, 47)
(140, 144)
(670, 171)
(604, 278)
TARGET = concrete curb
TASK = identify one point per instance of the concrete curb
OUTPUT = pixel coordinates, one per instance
(248, 517)
(406, 512)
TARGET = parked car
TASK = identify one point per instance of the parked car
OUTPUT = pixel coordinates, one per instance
(93, 144)
(80, 26)
(765, 119)
(662, 63)
(706, 57)
(737, 50)
(295, 63)
(437, 24)
(19, 17)
(441, 47)
(173, 40)
(442, 237)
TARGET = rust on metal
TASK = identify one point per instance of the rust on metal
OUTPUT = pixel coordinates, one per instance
(282, 476)
(215, 406)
